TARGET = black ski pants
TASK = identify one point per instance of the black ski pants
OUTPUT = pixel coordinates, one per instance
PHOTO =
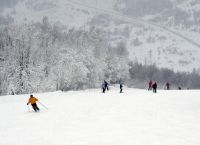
(35, 107)
(121, 90)
(104, 89)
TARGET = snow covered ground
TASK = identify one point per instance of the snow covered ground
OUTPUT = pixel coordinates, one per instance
(136, 117)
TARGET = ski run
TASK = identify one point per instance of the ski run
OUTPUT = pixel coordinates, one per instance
(135, 117)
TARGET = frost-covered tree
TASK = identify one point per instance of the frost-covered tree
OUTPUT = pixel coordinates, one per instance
(47, 57)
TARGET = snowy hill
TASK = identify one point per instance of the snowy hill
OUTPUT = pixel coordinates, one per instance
(161, 32)
(129, 21)
(151, 44)
(65, 11)
(92, 118)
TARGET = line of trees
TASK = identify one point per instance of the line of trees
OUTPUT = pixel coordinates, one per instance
(48, 57)
(43, 57)
(141, 74)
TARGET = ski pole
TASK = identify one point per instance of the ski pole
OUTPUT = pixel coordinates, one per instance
(43, 105)
(28, 109)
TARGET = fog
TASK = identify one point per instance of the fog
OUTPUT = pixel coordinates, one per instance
(8, 3)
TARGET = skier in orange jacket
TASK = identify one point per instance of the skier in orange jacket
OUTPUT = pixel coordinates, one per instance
(32, 100)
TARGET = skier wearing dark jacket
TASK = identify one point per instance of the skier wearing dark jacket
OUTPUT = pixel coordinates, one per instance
(121, 87)
(103, 87)
(106, 85)
(155, 87)
(167, 85)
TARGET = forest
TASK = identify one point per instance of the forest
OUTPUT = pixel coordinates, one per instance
(43, 57)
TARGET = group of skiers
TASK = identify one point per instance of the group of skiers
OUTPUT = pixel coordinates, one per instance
(105, 86)
(153, 85)
(33, 100)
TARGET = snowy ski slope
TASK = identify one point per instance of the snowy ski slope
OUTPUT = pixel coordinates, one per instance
(136, 117)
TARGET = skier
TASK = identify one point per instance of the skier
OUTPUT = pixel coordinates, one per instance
(32, 100)
(103, 87)
(106, 85)
(167, 85)
(155, 87)
(150, 85)
(121, 87)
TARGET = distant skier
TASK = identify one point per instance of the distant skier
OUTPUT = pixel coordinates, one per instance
(121, 87)
(154, 87)
(150, 85)
(179, 88)
(167, 85)
(103, 87)
(32, 100)
(106, 85)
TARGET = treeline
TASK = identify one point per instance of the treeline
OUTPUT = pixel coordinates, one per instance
(47, 57)
(141, 74)
(43, 57)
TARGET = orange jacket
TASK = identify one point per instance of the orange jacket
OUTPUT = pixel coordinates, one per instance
(32, 100)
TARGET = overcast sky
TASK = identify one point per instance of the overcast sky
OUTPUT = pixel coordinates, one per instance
(7, 3)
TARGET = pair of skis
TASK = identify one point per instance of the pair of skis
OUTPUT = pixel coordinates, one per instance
(29, 110)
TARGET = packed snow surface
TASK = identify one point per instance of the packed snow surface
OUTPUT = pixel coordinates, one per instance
(135, 117)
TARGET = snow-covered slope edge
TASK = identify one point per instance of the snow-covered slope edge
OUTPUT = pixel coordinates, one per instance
(92, 118)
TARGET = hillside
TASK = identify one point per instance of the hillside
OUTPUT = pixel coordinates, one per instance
(179, 23)
(127, 21)
(152, 44)
(64, 11)
(92, 118)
